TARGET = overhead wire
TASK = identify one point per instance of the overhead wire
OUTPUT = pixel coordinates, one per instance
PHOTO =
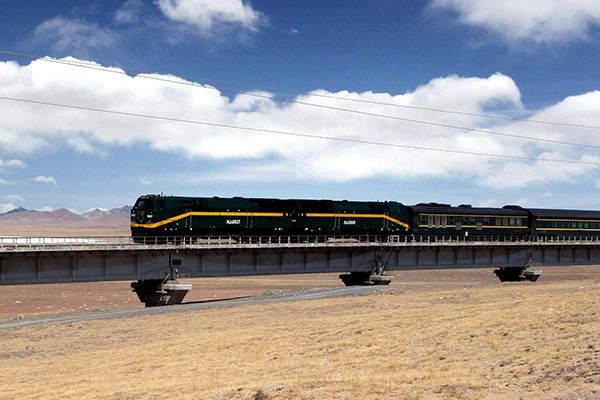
(312, 136)
(146, 75)
(299, 93)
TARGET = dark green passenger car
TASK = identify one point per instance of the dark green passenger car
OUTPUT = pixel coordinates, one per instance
(562, 223)
(435, 219)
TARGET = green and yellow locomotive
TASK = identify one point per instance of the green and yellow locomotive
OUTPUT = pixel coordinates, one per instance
(155, 215)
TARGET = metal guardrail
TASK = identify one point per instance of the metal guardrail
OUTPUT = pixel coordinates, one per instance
(115, 243)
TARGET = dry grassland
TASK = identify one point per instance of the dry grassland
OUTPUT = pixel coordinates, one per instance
(490, 341)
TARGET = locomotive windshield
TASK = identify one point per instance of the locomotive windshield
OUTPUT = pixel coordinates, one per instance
(144, 204)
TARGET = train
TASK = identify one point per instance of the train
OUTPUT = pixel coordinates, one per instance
(159, 216)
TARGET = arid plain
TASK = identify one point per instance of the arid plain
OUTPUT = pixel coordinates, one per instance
(434, 334)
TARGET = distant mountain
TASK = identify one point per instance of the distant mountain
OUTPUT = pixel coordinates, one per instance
(64, 222)
(16, 210)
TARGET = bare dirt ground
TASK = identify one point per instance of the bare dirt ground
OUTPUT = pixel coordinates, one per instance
(32, 301)
(432, 334)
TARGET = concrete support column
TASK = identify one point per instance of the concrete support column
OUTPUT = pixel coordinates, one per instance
(455, 251)
(73, 263)
(105, 265)
(136, 260)
(38, 268)
(305, 260)
(559, 255)
(588, 255)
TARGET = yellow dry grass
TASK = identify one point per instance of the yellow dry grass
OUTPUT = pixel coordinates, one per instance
(503, 341)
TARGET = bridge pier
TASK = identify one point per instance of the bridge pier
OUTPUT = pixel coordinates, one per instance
(162, 291)
(517, 274)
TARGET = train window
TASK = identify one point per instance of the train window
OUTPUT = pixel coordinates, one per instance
(555, 224)
(444, 222)
(512, 221)
(580, 225)
(437, 221)
(161, 204)
(423, 219)
(450, 220)
(586, 225)
(430, 221)
(486, 221)
(147, 204)
(505, 221)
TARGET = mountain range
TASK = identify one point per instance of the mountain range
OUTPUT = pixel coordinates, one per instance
(62, 222)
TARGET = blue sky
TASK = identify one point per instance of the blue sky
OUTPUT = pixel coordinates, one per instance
(383, 100)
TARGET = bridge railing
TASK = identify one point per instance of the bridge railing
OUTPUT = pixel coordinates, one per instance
(52, 243)
(8, 244)
(264, 241)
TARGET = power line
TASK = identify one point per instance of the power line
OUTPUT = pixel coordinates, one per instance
(270, 89)
(304, 135)
(121, 71)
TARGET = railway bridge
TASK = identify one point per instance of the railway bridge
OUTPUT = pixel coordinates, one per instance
(46, 260)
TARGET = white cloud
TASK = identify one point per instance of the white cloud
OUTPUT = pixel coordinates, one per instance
(537, 21)
(45, 179)
(129, 12)
(145, 182)
(47, 209)
(5, 182)
(12, 163)
(4, 208)
(209, 16)
(74, 36)
(263, 156)
(13, 197)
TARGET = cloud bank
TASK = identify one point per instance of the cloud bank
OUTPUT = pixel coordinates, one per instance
(267, 155)
(545, 21)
